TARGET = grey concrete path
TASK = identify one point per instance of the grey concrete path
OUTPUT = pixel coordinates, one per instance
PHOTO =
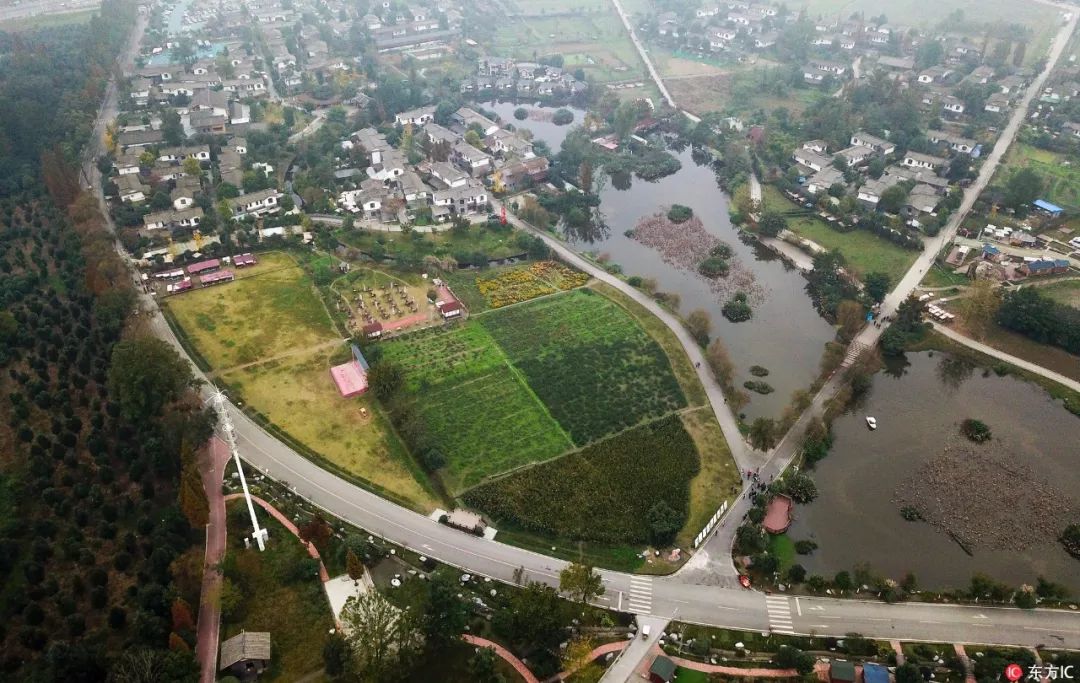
(1007, 357)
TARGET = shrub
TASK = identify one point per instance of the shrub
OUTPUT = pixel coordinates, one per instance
(805, 547)
(562, 117)
(910, 513)
(521, 113)
(758, 386)
(679, 213)
(722, 250)
(714, 266)
(737, 309)
(796, 573)
(975, 430)
(759, 371)
(1070, 540)
(801, 488)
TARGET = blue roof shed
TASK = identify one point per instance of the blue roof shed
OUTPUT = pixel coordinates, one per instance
(1043, 205)
(875, 673)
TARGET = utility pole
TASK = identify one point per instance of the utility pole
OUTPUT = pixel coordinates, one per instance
(220, 401)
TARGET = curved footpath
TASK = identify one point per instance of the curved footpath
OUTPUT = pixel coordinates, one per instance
(1008, 358)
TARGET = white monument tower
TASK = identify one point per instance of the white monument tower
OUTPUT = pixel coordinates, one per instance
(220, 404)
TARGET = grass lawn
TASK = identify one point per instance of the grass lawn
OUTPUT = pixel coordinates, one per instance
(684, 675)
(594, 368)
(718, 478)
(298, 396)
(1067, 293)
(274, 598)
(272, 309)
(783, 548)
(596, 42)
(1045, 355)
(865, 252)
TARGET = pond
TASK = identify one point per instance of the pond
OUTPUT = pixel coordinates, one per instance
(539, 121)
(785, 335)
(868, 475)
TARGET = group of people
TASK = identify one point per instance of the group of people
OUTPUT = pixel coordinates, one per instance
(757, 485)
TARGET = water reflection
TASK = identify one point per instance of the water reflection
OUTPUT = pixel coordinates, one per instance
(919, 403)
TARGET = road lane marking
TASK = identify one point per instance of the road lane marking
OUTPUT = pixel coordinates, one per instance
(798, 607)
(778, 608)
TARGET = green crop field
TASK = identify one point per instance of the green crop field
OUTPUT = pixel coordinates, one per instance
(485, 426)
(588, 361)
(444, 356)
(471, 406)
(603, 492)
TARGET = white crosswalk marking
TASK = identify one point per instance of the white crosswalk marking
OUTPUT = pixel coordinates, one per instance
(640, 595)
(853, 353)
(779, 609)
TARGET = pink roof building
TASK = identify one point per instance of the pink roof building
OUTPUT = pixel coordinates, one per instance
(203, 266)
(215, 278)
(350, 378)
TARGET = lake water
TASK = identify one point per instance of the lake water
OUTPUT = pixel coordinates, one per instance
(542, 128)
(855, 518)
(786, 335)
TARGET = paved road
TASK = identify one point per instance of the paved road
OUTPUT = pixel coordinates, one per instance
(689, 595)
(644, 54)
(1008, 358)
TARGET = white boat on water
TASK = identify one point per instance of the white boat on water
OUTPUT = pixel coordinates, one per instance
(871, 422)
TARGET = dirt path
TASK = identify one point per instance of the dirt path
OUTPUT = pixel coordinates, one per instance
(214, 461)
(287, 354)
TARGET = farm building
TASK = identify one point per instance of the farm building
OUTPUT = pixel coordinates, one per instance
(246, 655)
(1044, 267)
(372, 330)
(204, 266)
(874, 673)
(351, 377)
(1047, 208)
(244, 260)
(662, 670)
(216, 278)
(841, 671)
(449, 309)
